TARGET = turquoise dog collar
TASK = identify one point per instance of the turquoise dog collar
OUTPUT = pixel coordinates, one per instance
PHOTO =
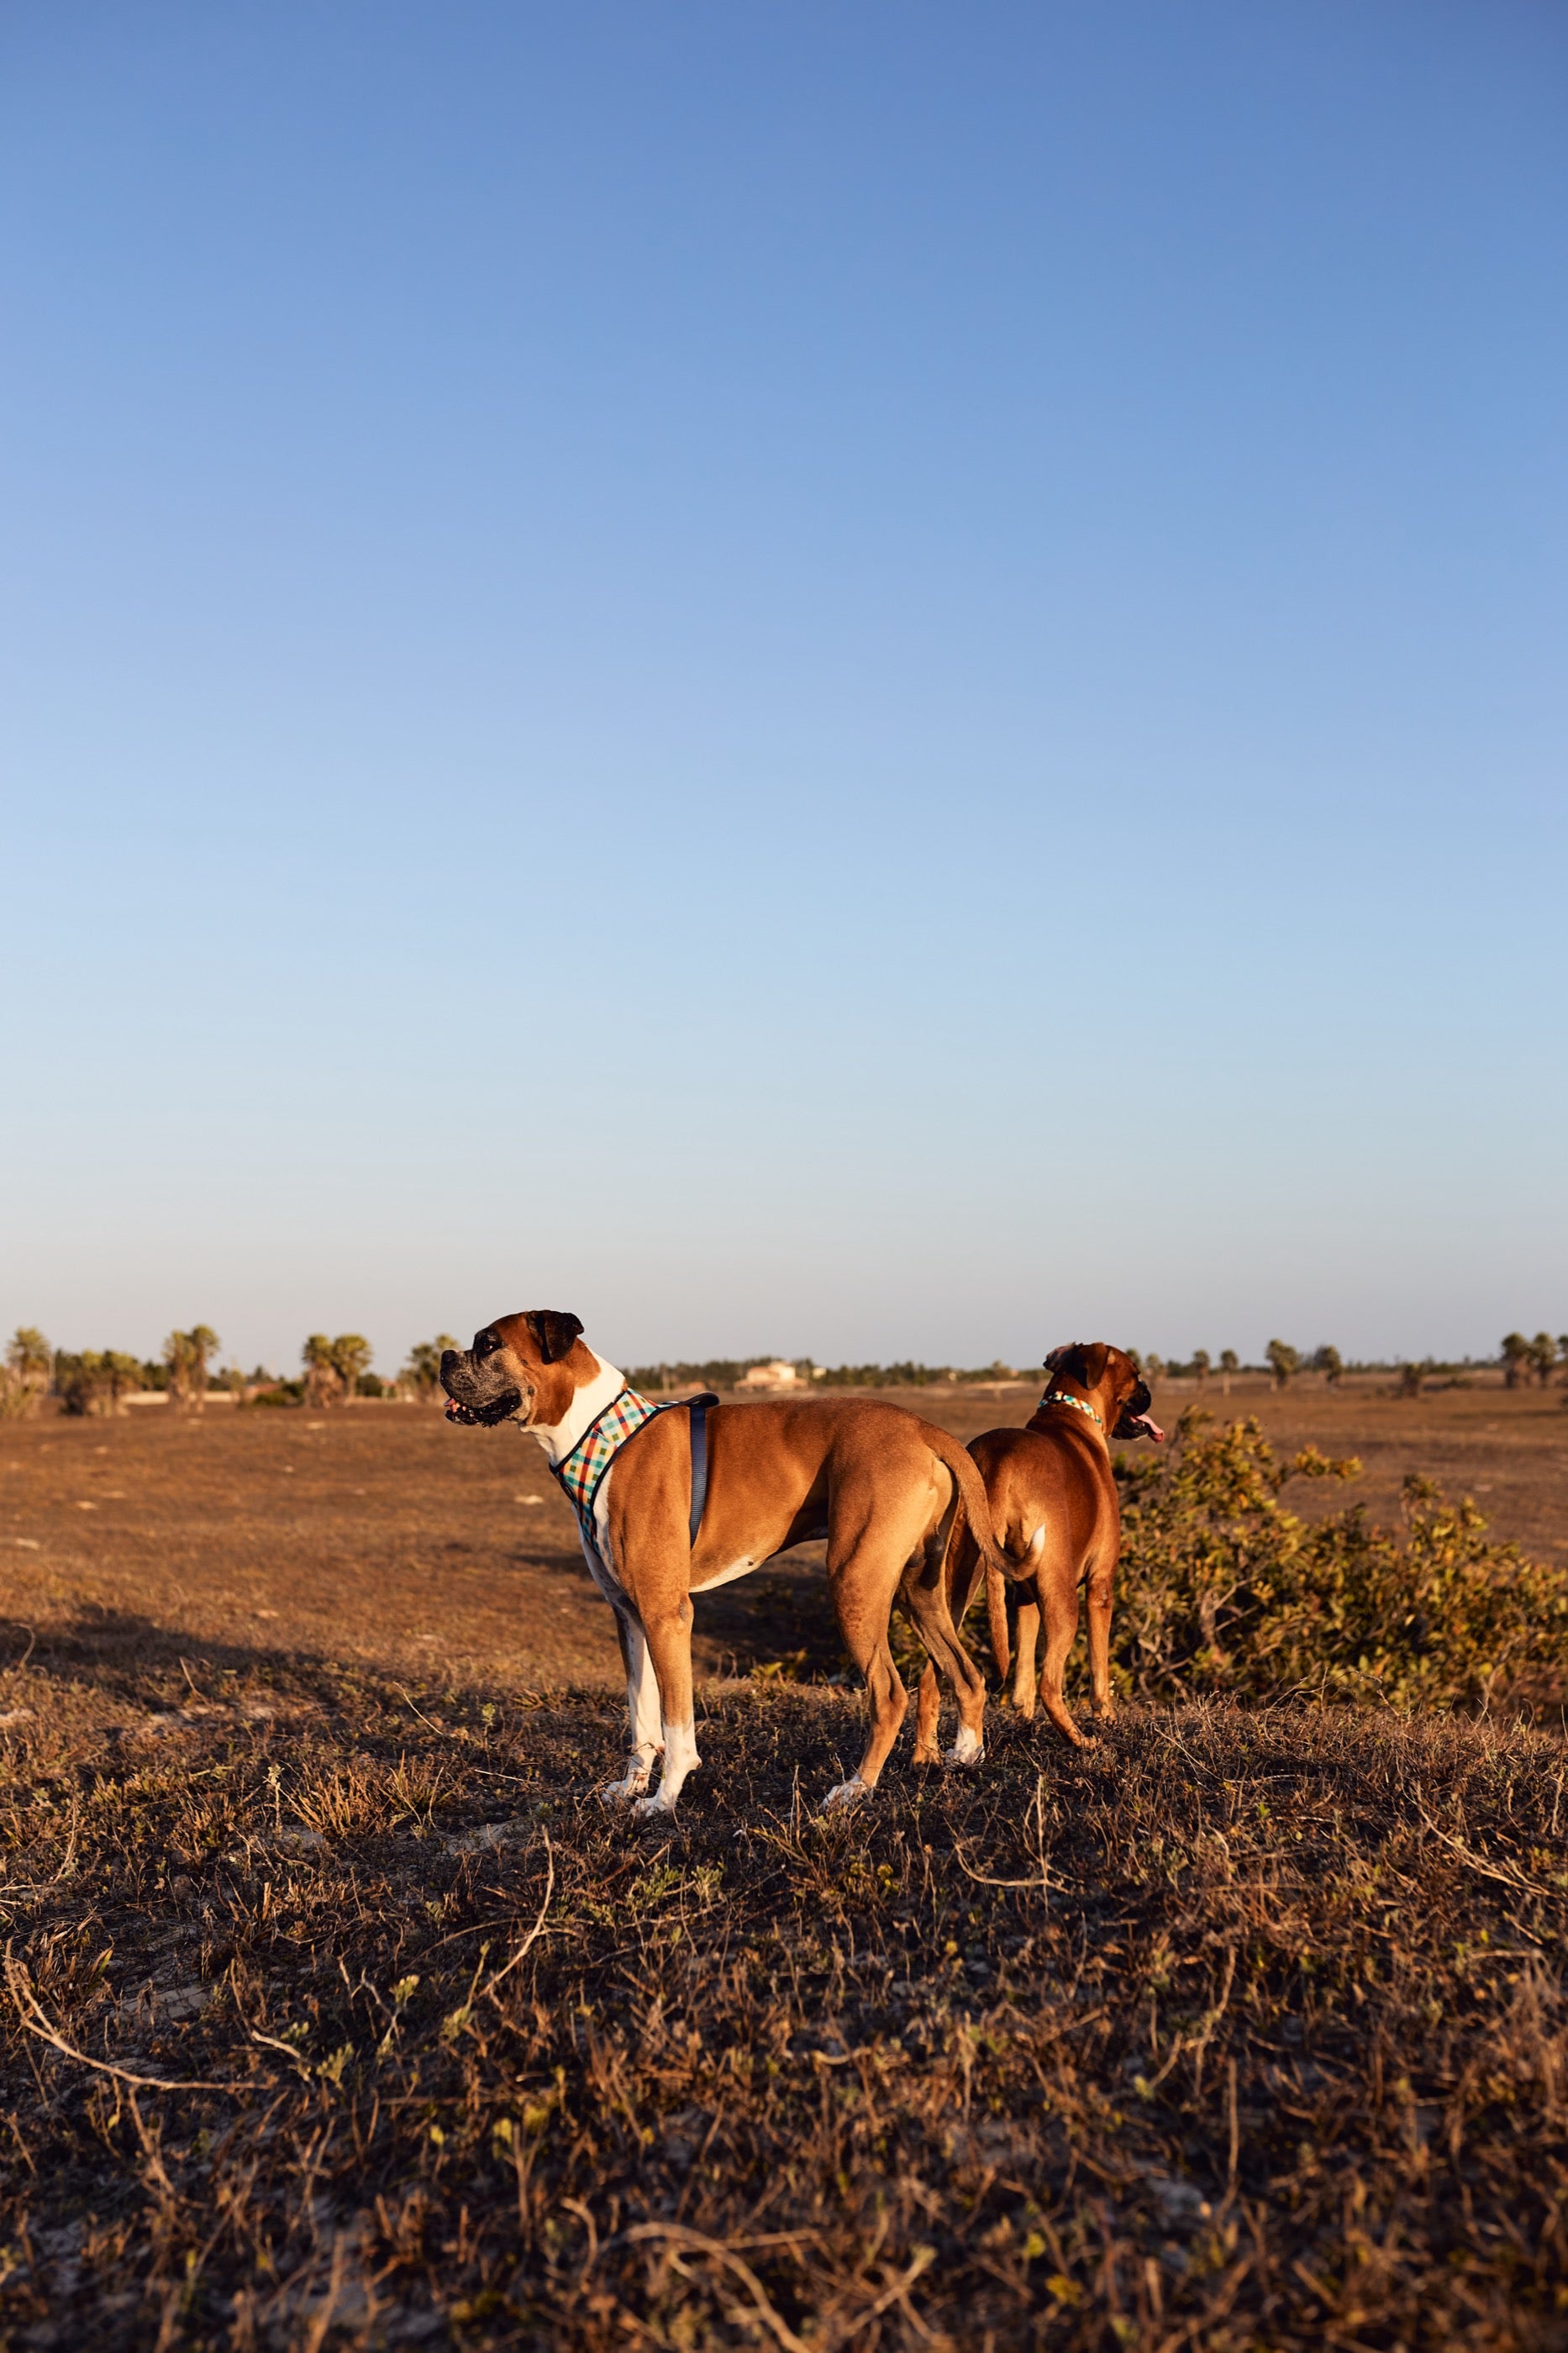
(1060, 1397)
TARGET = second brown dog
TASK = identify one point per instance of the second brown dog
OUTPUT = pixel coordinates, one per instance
(1056, 1515)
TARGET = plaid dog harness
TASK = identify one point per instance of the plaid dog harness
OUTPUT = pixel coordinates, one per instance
(581, 1473)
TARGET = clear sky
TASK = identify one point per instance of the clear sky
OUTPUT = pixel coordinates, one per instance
(871, 680)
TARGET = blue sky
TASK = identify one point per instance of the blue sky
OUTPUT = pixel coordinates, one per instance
(864, 680)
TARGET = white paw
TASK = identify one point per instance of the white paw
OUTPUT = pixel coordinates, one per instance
(657, 1809)
(621, 1793)
(965, 1750)
(845, 1793)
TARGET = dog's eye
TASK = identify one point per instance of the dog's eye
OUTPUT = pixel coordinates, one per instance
(486, 1344)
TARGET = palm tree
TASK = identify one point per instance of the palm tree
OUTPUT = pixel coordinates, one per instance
(205, 1344)
(324, 1384)
(1201, 1364)
(177, 1356)
(25, 1376)
(1542, 1357)
(187, 1354)
(351, 1358)
(1330, 1364)
(1515, 1358)
(423, 1366)
(29, 1354)
(1284, 1360)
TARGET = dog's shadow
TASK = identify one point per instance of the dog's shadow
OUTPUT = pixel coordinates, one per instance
(778, 1622)
(137, 1661)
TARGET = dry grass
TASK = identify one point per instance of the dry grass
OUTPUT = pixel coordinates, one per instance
(1241, 2029)
(340, 2014)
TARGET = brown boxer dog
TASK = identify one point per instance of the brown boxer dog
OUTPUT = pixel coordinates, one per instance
(1056, 1515)
(882, 1486)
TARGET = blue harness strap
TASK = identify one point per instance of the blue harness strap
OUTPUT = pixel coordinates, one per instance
(699, 1406)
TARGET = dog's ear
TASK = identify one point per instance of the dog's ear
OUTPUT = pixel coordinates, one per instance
(1053, 1360)
(1078, 1362)
(554, 1332)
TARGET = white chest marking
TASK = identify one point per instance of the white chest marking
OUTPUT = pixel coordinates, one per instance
(559, 1438)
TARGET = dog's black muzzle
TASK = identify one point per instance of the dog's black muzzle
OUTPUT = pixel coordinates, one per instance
(1130, 1421)
(472, 1399)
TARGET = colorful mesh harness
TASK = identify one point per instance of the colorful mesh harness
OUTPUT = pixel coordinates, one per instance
(581, 1473)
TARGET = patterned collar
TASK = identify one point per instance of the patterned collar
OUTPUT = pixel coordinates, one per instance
(1060, 1397)
(581, 1473)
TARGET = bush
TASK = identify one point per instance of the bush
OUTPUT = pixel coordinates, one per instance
(1223, 1591)
(96, 1381)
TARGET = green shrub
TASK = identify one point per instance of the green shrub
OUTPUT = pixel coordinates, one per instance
(1222, 1590)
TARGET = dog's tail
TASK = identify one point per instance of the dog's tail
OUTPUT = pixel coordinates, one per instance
(996, 1619)
(974, 1504)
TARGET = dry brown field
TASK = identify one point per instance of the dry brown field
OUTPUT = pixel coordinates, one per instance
(337, 2012)
(383, 1536)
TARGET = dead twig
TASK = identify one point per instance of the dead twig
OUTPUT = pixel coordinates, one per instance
(921, 2260)
(35, 2023)
(419, 1712)
(1478, 1864)
(676, 2234)
(981, 1880)
(537, 1928)
(288, 2050)
(1037, 1809)
(1198, 2043)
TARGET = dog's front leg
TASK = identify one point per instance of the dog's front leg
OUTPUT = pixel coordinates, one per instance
(1101, 1594)
(668, 1633)
(644, 1742)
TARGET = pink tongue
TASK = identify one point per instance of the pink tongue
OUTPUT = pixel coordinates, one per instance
(1152, 1426)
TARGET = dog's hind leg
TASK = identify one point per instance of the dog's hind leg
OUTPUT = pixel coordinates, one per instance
(1028, 1628)
(863, 1587)
(1060, 1597)
(929, 1605)
(1027, 1635)
(938, 1609)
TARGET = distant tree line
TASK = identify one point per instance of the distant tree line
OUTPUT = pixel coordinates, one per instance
(728, 1372)
(99, 1381)
(336, 1371)
(1521, 1360)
